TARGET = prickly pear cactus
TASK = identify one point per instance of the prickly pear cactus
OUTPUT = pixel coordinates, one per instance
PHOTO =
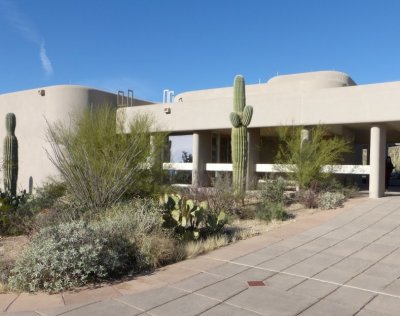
(10, 156)
(240, 119)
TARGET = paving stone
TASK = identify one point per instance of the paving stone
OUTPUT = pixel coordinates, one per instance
(365, 312)
(272, 251)
(228, 269)
(277, 264)
(104, 308)
(393, 288)
(141, 284)
(327, 308)
(269, 301)
(323, 242)
(224, 289)
(313, 265)
(389, 239)
(19, 314)
(199, 264)
(28, 302)
(350, 297)
(173, 274)
(366, 236)
(334, 274)
(251, 259)
(226, 309)
(312, 247)
(384, 270)
(188, 305)
(283, 281)
(297, 255)
(342, 232)
(197, 282)
(313, 288)
(90, 295)
(345, 248)
(253, 274)
(384, 304)
(394, 257)
(5, 300)
(62, 309)
(226, 253)
(151, 299)
(351, 267)
(369, 282)
(374, 252)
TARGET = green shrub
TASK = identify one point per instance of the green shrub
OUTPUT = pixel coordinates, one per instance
(273, 191)
(13, 219)
(330, 200)
(271, 211)
(303, 161)
(100, 166)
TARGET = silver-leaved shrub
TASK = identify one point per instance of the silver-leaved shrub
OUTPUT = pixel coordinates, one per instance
(330, 200)
(65, 256)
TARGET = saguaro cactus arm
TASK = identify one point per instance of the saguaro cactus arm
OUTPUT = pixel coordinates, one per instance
(235, 119)
(247, 115)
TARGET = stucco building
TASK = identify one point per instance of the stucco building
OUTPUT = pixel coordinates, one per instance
(34, 110)
(365, 114)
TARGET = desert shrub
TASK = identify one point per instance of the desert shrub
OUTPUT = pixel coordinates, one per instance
(273, 191)
(13, 219)
(66, 256)
(219, 198)
(348, 190)
(330, 200)
(98, 165)
(45, 196)
(140, 222)
(307, 197)
(303, 161)
(271, 211)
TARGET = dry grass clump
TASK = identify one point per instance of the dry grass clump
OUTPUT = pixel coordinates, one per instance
(237, 230)
(10, 249)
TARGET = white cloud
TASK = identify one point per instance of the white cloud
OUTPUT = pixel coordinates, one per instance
(25, 28)
(46, 63)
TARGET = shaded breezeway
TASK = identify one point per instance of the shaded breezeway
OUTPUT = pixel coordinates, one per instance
(342, 262)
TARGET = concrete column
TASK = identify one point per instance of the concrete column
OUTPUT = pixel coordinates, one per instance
(377, 161)
(201, 151)
(253, 140)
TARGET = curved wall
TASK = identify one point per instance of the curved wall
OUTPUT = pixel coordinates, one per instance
(32, 110)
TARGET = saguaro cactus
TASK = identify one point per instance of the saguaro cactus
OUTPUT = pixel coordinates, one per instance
(10, 156)
(240, 119)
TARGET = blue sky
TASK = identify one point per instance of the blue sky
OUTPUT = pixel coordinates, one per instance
(151, 45)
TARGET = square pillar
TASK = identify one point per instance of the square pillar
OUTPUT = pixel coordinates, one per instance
(202, 153)
(377, 161)
(253, 152)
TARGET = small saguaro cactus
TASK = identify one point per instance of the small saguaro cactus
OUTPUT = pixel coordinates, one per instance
(10, 156)
(240, 119)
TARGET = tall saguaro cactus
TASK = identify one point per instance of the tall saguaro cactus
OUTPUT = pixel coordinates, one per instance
(10, 156)
(240, 119)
